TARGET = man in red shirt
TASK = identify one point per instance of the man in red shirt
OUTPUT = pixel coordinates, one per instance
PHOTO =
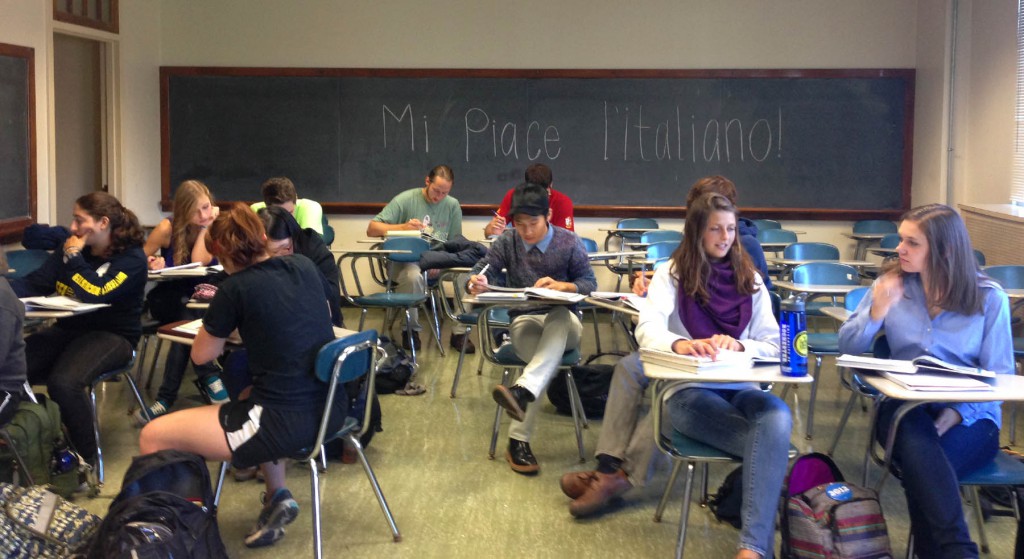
(561, 205)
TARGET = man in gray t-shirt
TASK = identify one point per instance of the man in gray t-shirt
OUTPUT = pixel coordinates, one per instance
(431, 210)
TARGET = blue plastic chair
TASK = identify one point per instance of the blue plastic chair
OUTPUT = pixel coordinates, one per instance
(328, 231)
(851, 379)
(663, 235)
(890, 241)
(387, 300)
(776, 236)
(767, 224)
(621, 267)
(811, 251)
(824, 273)
(340, 362)
(505, 357)
(457, 311)
(820, 344)
(24, 262)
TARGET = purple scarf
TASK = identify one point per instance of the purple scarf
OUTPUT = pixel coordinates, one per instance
(726, 312)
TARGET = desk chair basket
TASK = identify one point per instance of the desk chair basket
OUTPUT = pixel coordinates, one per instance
(505, 358)
(339, 362)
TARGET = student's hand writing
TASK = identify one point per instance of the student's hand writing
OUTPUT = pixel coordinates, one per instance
(725, 341)
(478, 284)
(413, 225)
(947, 418)
(887, 290)
(550, 283)
(640, 284)
(495, 226)
(156, 263)
(697, 348)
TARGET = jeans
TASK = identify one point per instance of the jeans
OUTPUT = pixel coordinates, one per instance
(627, 430)
(750, 424)
(67, 361)
(930, 467)
(174, 372)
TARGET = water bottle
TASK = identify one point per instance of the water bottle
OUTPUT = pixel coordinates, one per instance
(793, 336)
(63, 459)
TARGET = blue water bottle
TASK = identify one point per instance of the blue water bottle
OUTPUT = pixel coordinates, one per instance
(793, 336)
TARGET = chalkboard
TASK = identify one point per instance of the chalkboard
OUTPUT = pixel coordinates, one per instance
(813, 143)
(17, 139)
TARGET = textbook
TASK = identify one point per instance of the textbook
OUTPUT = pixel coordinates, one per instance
(923, 364)
(403, 233)
(691, 364)
(178, 269)
(928, 382)
(60, 303)
(535, 293)
(630, 298)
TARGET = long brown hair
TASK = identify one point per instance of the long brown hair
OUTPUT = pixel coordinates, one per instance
(953, 272)
(183, 232)
(125, 232)
(237, 236)
(690, 264)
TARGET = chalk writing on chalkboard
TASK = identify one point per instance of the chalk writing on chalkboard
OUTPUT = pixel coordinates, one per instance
(818, 144)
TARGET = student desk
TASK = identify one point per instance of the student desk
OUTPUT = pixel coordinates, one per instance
(1008, 388)
(863, 240)
(622, 314)
(614, 255)
(838, 313)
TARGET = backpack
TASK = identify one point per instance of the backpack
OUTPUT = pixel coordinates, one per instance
(357, 408)
(395, 370)
(728, 500)
(592, 382)
(38, 436)
(824, 516)
(164, 510)
(35, 522)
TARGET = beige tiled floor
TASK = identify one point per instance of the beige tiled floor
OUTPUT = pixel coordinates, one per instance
(451, 501)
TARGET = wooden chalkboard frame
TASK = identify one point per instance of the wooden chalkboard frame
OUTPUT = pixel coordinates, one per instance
(11, 228)
(907, 75)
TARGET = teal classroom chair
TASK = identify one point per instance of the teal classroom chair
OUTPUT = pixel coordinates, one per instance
(621, 266)
(868, 226)
(773, 240)
(851, 379)
(766, 224)
(824, 273)
(811, 251)
(457, 311)
(328, 231)
(980, 257)
(661, 236)
(24, 262)
(890, 241)
(339, 362)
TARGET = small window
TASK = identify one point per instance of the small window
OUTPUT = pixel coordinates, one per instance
(98, 14)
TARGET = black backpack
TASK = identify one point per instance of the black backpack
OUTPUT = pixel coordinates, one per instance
(728, 500)
(164, 510)
(393, 372)
(592, 382)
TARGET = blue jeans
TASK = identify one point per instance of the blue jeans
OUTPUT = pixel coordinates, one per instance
(755, 426)
(930, 467)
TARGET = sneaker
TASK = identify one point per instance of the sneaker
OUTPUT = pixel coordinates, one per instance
(215, 390)
(280, 511)
(143, 416)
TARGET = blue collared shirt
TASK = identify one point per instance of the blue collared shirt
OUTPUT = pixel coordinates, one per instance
(981, 340)
(542, 245)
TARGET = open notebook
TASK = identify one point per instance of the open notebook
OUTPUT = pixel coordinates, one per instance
(923, 364)
(60, 303)
(517, 294)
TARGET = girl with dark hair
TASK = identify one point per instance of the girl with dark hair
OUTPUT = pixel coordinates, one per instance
(180, 239)
(285, 236)
(934, 300)
(708, 300)
(277, 306)
(102, 262)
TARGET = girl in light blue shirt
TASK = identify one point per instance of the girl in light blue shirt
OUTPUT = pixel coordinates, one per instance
(934, 300)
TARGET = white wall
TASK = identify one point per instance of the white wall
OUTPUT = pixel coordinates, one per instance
(24, 24)
(985, 112)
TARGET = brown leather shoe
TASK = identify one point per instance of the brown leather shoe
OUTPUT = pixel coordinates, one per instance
(514, 399)
(600, 493)
(575, 484)
(457, 340)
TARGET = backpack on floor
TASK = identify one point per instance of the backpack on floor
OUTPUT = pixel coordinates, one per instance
(727, 502)
(824, 516)
(38, 436)
(35, 522)
(395, 370)
(593, 383)
(164, 510)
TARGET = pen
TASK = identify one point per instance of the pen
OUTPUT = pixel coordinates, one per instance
(495, 213)
(484, 269)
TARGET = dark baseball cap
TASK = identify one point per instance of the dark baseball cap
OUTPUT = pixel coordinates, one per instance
(530, 199)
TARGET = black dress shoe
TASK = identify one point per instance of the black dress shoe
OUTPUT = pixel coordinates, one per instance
(458, 339)
(514, 400)
(521, 458)
(415, 341)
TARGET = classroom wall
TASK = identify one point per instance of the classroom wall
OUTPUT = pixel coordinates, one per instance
(540, 34)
